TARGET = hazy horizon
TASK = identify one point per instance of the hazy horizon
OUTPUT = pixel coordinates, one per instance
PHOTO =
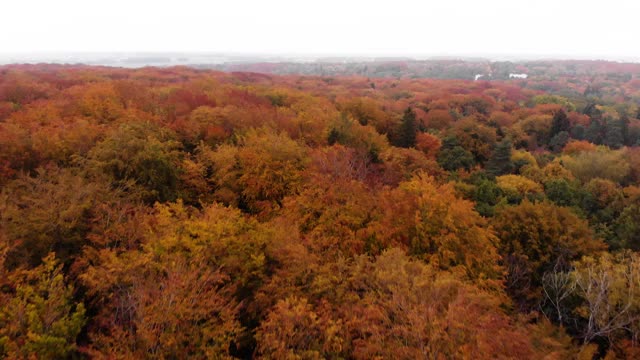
(520, 29)
(170, 58)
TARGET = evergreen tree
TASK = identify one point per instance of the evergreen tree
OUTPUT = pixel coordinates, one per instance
(594, 132)
(560, 123)
(614, 134)
(578, 132)
(452, 156)
(500, 161)
(408, 129)
(334, 136)
(624, 126)
(486, 196)
(558, 142)
(592, 111)
(633, 136)
(561, 192)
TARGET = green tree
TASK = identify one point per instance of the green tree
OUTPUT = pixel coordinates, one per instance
(500, 162)
(614, 134)
(538, 238)
(142, 154)
(627, 228)
(40, 319)
(595, 132)
(486, 195)
(558, 142)
(561, 192)
(452, 156)
(408, 129)
(559, 123)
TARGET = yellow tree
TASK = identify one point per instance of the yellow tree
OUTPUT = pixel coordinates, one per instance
(178, 295)
(38, 317)
(538, 238)
(434, 224)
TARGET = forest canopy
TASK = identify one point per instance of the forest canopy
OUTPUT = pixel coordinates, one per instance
(180, 212)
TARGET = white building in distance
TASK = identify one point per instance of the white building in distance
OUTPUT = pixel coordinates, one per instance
(518, 76)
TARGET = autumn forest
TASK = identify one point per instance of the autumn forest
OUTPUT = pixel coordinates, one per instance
(348, 213)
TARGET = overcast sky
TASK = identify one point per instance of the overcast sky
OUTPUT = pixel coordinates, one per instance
(601, 29)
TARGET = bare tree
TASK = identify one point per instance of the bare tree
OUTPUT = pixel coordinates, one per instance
(557, 288)
(610, 288)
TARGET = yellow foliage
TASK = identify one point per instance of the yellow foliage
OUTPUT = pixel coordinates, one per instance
(523, 156)
(516, 184)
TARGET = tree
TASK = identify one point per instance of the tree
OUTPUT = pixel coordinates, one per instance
(476, 137)
(438, 119)
(39, 318)
(486, 195)
(610, 289)
(293, 329)
(452, 156)
(394, 306)
(400, 164)
(142, 154)
(610, 165)
(595, 132)
(614, 134)
(598, 297)
(516, 187)
(561, 192)
(272, 166)
(560, 123)
(434, 224)
(408, 129)
(558, 142)
(429, 144)
(578, 132)
(177, 295)
(364, 139)
(49, 213)
(627, 228)
(500, 161)
(538, 238)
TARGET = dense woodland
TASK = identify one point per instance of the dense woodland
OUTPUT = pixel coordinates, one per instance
(566, 76)
(173, 212)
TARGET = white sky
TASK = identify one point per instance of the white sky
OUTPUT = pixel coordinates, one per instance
(393, 27)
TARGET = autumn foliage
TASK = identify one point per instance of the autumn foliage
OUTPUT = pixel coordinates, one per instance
(169, 213)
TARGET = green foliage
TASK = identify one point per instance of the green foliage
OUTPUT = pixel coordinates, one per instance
(554, 99)
(558, 142)
(560, 123)
(453, 156)
(363, 139)
(595, 132)
(627, 228)
(201, 214)
(408, 129)
(500, 161)
(39, 318)
(562, 192)
(537, 238)
(143, 154)
(614, 134)
(487, 195)
(603, 164)
(517, 188)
